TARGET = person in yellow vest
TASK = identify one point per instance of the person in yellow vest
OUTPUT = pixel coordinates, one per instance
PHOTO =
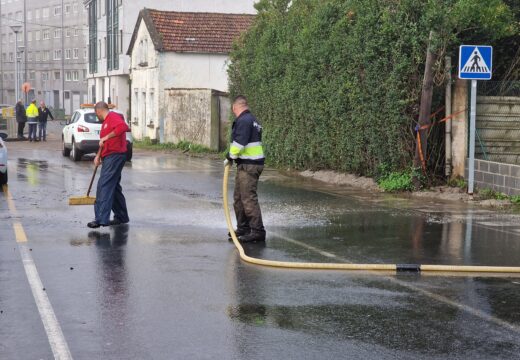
(32, 120)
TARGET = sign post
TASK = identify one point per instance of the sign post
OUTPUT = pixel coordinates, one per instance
(475, 63)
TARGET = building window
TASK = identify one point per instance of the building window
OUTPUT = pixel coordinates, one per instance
(120, 41)
(67, 8)
(57, 54)
(46, 55)
(67, 32)
(57, 33)
(92, 38)
(75, 75)
(45, 12)
(11, 38)
(57, 10)
(29, 36)
(37, 35)
(46, 35)
(113, 34)
(57, 75)
(20, 37)
(75, 7)
(76, 32)
(32, 75)
(68, 54)
(76, 54)
(37, 13)
(45, 76)
(29, 56)
(11, 57)
(68, 76)
(38, 56)
(29, 15)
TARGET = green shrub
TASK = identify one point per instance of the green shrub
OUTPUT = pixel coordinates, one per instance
(515, 199)
(337, 83)
(487, 194)
(458, 182)
(397, 181)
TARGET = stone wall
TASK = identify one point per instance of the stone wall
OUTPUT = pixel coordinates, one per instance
(196, 116)
(500, 177)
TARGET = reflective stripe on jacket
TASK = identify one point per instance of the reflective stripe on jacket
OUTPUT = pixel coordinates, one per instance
(32, 111)
(246, 140)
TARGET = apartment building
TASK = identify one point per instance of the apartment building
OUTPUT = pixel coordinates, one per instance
(51, 49)
(111, 24)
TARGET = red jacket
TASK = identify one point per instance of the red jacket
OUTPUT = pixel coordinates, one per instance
(117, 144)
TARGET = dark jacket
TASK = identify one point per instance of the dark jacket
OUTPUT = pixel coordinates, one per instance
(246, 140)
(20, 113)
(43, 114)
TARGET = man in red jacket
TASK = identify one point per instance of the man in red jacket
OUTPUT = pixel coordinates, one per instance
(109, 195)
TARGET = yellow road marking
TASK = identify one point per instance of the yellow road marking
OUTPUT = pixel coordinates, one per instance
(19, 232)
(10, 201)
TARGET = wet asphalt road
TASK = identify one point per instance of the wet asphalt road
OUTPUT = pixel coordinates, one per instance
(170, 286)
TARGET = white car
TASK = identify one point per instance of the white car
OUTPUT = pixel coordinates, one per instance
(80, 135)
(3, 159)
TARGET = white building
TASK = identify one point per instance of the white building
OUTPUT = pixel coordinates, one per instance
(50, 52)
(177, 50)
(111, 24)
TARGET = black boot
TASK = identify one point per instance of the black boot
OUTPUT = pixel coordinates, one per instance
(238, 233)
(252, 237)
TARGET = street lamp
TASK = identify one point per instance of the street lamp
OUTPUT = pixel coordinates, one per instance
(16, 29)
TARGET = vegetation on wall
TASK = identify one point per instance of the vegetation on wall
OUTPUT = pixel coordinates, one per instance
(336, 83)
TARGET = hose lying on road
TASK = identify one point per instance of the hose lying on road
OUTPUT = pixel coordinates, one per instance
(346, 266)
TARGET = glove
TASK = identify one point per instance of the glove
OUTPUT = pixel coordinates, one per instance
(228, 160)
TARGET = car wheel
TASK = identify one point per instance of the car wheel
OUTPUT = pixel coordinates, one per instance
(3, 178)
(129, 151)
(64, 150)
(75, 153)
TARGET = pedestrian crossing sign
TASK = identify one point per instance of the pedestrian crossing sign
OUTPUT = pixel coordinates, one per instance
(475, 62)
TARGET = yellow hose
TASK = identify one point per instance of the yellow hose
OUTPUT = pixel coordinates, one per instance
(351, 267)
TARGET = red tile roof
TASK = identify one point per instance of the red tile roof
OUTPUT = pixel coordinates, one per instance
(194, 32)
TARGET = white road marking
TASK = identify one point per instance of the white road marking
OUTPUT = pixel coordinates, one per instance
(57, 341)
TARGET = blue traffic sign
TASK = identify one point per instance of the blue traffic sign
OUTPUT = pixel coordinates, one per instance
(475, 62)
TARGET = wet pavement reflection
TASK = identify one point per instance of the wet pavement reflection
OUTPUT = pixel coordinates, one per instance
(170, 285)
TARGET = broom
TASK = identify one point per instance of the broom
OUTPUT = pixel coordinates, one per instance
(86, 200)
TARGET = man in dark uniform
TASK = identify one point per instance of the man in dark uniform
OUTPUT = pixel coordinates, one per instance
(21, 118)
(43, 114)
(246, 150)
(109, 195)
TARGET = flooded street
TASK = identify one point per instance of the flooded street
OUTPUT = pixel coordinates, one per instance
(170, 286)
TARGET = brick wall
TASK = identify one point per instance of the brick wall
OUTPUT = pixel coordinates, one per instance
(500, 177)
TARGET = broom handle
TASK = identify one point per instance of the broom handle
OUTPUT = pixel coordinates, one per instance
(94, 174)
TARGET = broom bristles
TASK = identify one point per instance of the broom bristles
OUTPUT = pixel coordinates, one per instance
(82, 200)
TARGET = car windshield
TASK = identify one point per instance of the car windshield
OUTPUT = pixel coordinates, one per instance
(91, 118)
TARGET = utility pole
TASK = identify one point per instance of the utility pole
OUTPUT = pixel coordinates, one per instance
(25, 44)
(425, 109)
(16, 29)
(62, 60)
(1, 62)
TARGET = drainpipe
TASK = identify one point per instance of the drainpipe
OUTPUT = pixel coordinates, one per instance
(448, 112)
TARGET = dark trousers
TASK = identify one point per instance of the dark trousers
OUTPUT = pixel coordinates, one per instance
(21, 127)
(247, 209)
(42, 130)
(109, 195)
(33, 128)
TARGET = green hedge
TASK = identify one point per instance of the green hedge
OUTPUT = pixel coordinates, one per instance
(337, 83)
